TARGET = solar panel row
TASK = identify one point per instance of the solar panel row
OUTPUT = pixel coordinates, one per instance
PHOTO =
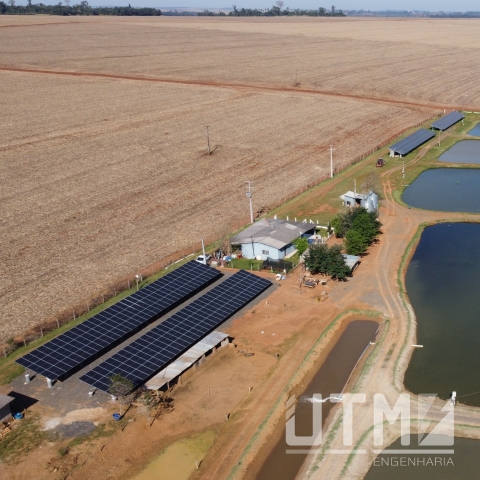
(103, 331)
(448, 120)
(405, 146)
(155, 349)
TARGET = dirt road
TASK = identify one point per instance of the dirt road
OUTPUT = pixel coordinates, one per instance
(248, 86)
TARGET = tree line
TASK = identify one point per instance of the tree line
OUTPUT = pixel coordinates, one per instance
(83, 8)
(276, 11)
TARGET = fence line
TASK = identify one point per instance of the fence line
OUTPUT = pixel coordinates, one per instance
(128, 283)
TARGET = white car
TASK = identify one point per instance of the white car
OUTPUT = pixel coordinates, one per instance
(203, 259)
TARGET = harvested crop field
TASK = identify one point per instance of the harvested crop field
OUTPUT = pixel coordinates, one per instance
(103, 176)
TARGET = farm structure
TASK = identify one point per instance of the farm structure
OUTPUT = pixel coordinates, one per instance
(271, 238)
(352, 261)
(369, 200)
(410, 143)
(447, 121)
(185, 365)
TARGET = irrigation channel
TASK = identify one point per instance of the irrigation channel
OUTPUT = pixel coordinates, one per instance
(330, 378)
(463, 464)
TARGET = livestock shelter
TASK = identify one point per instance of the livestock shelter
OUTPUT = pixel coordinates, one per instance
(271, 238)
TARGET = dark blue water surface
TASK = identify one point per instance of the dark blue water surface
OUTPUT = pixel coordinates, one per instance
(443, 285)
(475, 131)
(465, 463)
(445, 190)
(466, 151)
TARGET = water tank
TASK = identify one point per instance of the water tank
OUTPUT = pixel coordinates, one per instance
(374, 198)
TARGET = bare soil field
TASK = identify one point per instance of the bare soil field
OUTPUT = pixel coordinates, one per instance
(424, 60)
(104, 171)
(103, 177)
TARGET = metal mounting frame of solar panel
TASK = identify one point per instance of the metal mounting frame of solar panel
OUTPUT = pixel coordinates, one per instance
(448, 120)
(89, 340)
(164, 343)
(405, 146)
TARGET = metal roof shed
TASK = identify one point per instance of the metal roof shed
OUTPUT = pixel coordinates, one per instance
(185, 361)
(410, 143)
(448, 120)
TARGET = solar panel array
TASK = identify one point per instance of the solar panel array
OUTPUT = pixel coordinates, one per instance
(448, 120)
(405, 146)
(157, 348)
(106, 329)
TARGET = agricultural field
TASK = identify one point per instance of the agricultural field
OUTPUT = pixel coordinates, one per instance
(102, 176)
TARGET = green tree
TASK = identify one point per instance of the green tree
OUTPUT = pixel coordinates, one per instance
(355, 242)
(327, 260)
(301, 244)
(337, 268)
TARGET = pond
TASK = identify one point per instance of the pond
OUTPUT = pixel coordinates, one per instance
(445, 190)
(442, 284)
(466, 151)
(475, 131)
(462, 464)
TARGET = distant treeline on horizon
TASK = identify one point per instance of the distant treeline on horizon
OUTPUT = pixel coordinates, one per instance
(275, 11)
(83, 8)
(411, 13)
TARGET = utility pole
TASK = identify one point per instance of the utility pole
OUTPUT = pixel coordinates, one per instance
(208, 140)
(249, 196)
(439, 134)
(403, 170)
(331, 161)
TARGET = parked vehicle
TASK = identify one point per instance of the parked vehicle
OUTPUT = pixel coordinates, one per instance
(381, 162)
(203, 259)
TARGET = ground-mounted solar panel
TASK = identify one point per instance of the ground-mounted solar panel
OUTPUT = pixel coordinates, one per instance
(95, 336)
(448, 120)
(413, 141)
(164, 343)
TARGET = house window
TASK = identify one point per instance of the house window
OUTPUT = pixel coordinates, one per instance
(265, 252)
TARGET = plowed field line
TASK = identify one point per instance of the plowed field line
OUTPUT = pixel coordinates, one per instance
(273, 88)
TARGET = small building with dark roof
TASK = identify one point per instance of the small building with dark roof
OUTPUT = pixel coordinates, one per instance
(271, 238)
